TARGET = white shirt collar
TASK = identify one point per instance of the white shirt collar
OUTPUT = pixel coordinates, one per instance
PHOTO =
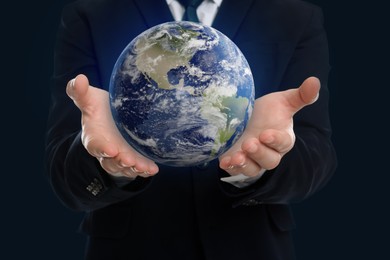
(217, 2)
(206, 11)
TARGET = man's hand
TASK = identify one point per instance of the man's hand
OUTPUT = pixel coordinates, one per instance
(269, 134)
(100, 136)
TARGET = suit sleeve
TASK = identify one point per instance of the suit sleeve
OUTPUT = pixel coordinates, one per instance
(76, 176)
(312, 161)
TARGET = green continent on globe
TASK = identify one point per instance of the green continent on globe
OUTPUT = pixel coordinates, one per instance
(162, 51)
(235, 108)
(222, 108)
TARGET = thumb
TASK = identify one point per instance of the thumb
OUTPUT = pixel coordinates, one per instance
(77, 90)
(305, 95)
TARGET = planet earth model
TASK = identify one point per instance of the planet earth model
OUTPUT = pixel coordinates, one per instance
(181, 93)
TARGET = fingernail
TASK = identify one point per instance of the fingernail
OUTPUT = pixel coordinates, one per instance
(72, 83)
(242, 165)
(103, 154)
(315, 99)
(123, 164)
(135, 170)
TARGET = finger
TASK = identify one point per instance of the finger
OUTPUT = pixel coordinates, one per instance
(280, 141)
(127, 160)
(224, 162)
(133, 172)
(137, 163)
(236, 159)
(239, 163)
(77, 90)
(143, 168)
(98, 146)
(310, 90)
(144, 174)
(129, 173)
(114, 167)
(110, 165)
(305, 95)
(264, 156)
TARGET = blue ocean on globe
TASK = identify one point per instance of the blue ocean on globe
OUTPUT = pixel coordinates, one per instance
(181, 93)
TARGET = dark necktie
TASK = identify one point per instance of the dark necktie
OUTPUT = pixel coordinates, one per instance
(191, 6)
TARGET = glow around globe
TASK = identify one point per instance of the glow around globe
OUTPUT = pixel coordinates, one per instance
(181, 93)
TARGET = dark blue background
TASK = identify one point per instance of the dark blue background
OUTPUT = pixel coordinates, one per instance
(346, 220)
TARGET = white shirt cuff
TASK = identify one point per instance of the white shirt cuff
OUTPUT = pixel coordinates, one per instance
(241, 180)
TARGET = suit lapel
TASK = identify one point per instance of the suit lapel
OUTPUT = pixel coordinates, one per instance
(154, 11)
(230, 16)
(228, 20)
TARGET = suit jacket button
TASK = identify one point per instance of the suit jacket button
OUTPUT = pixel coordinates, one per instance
(95, 187)
(252, 202)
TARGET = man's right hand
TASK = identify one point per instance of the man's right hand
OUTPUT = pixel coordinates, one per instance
(101, 137)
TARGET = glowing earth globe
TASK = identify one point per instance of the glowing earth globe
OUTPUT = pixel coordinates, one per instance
(181, 93)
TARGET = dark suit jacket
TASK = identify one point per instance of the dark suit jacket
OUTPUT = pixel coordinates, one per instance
(188, 213)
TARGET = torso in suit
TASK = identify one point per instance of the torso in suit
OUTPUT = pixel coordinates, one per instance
(188, 213)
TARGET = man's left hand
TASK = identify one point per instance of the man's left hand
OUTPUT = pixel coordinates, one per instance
(269, 134)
